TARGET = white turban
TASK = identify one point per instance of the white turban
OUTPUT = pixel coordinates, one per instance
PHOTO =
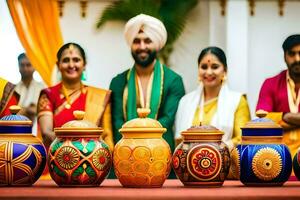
(151, 26)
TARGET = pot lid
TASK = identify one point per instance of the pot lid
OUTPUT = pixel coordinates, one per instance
(202, 132)
(79, 124)
(143, 123)
(14, 118)
(202, 129)
(262, 122)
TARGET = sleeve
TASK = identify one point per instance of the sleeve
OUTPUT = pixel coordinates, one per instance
(241, 117)
(107, 127)
(117, 107)
(44, 106)
(172, 98)
(265, 99)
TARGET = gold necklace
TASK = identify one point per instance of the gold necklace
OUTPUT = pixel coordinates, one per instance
(68, 100)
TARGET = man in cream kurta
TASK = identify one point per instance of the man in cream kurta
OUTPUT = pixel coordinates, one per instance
(28, 89)
(149, 83)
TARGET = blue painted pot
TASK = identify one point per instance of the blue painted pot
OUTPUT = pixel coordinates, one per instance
(261, 158)
(22, 155)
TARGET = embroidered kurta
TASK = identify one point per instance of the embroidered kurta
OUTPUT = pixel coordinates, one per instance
(172, 91)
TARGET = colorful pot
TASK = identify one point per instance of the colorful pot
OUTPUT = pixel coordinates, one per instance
(202, 159)
(296, 164)
(78, 156)
(22, 155)
(262, 158)
(142, 158)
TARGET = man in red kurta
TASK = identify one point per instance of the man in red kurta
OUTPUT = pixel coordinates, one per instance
(279, 95)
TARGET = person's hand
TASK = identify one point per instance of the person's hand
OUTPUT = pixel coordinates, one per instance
(31, 110)
(292, 119)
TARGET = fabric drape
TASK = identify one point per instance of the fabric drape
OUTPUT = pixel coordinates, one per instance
(37, 25)
(156, 93)
(223, 119)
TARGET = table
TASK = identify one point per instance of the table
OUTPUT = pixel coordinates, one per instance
(172, 189)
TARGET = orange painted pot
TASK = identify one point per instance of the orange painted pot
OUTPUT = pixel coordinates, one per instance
(142, 158)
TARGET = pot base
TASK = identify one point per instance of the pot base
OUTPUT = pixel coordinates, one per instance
(203, 184)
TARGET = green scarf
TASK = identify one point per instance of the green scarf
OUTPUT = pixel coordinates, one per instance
(156, 93)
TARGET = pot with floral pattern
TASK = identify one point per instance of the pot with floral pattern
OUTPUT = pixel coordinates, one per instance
(142, 158)
(261, 158)
(22, 155)
(78, 156)
(202, 159)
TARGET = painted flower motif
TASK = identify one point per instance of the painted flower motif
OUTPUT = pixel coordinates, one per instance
(175, 162)
(100, 158)
(204, 162)
(67, 157)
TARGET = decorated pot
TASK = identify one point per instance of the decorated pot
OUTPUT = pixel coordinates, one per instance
(142, 158)
(262, 158)
(296, 164)
(202, 159)
(78, 156)
(22, 155)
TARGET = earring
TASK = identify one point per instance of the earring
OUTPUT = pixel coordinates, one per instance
(199, 80)
(83, 75)
(224, 78)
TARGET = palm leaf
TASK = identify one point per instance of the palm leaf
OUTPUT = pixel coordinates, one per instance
(173, 13)
(124, 10)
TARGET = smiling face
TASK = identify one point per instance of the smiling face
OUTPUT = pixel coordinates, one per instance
(71, 64)
(143, 50)
(211, 71)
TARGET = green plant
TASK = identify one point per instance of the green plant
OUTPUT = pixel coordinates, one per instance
(173, 13)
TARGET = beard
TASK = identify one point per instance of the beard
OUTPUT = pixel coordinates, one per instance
(146, 61)
(294, 69)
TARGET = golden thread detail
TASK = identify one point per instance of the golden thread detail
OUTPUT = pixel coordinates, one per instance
(267, 164)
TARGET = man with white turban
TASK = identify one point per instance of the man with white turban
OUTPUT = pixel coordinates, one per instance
(148, 84)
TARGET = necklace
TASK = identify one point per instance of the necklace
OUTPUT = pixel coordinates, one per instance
(67, 96)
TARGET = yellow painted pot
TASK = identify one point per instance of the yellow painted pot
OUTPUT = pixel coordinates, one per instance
(142, 158)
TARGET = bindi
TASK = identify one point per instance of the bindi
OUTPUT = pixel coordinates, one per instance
(71, 49)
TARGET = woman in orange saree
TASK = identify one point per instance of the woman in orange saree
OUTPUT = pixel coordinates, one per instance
(56, 104)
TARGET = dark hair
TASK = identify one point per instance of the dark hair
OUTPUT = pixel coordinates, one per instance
(218, 52)
(21, 56)
(290, 42)
(66, 46)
